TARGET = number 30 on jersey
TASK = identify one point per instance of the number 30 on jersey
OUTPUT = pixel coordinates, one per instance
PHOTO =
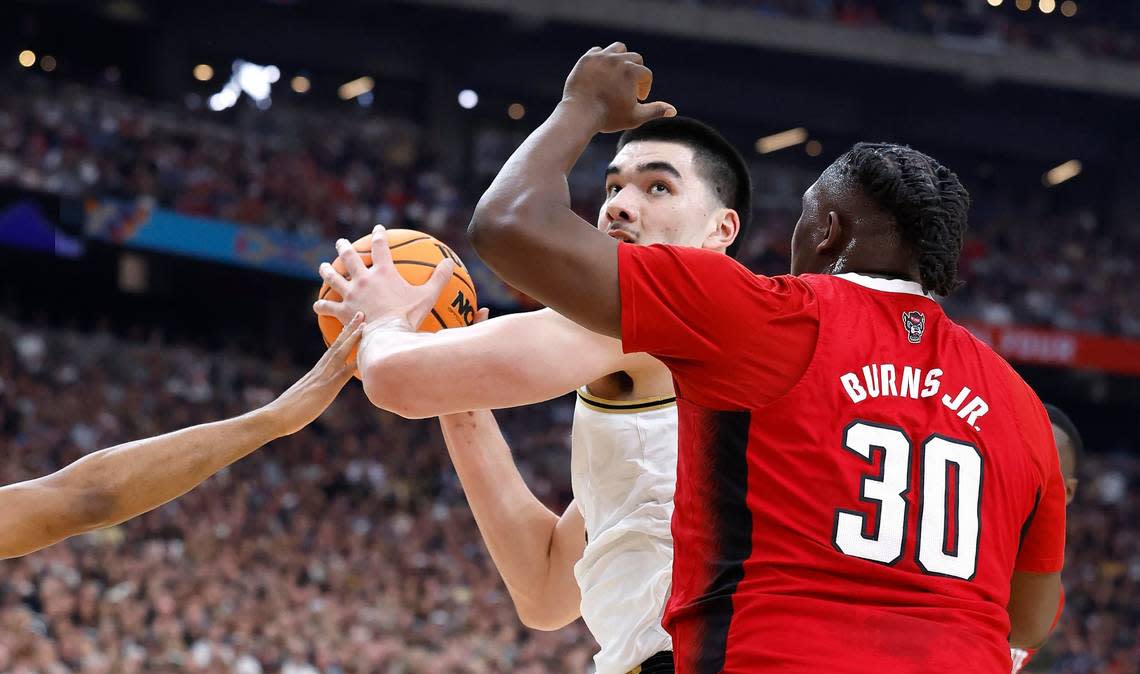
(947, 541)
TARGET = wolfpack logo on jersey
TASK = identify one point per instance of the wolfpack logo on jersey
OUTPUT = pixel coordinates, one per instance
(914, 322)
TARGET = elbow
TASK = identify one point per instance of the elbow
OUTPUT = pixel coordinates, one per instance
(89, 507)
(1029, 636)
(489, 228)
(387, 388)
(543, 619)
(497, 223)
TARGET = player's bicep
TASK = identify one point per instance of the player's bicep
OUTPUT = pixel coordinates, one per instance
(1033, 599)
(566, 549)
(567, 264)
(508, 361)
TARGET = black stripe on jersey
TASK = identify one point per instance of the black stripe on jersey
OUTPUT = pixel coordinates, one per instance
(1029, 520)
(600, 404)
(731, 520)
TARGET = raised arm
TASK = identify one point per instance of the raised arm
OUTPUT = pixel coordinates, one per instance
(533, 548)
(523, 227)
(118, 483)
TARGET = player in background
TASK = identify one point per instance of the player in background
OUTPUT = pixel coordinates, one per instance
(115, 484)
(862, 486)
(1069, 449)
(608, 557)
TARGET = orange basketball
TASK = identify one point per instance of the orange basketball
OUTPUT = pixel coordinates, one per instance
(415, 255)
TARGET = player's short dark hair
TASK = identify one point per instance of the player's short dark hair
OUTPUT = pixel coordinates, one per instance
(1062, 421)
(719, 163)
(926, 199)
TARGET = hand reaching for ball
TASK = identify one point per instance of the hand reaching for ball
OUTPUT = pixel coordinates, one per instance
(379, 291)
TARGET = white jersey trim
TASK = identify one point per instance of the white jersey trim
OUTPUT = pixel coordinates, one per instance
(887, 285)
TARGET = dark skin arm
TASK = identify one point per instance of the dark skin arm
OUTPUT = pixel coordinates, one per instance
(523, 227)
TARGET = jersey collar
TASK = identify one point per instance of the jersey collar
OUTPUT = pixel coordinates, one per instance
(888, 285)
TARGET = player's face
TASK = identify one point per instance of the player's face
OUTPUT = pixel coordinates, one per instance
(654, 194)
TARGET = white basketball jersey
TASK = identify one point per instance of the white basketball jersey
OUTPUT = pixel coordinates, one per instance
(623, 472)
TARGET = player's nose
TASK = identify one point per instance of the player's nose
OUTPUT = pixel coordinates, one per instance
(621, 209)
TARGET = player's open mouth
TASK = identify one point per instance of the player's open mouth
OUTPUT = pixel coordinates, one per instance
(622, 235)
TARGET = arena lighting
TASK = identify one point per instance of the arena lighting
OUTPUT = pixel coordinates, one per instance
(813, 148)
(779, 141)
(255, 80)
(994, 3)
(1047, 6)
(27, 58)
(358, 86)
(48, 63)
(300, 84)
(1069, 8)
(516, 111)
(468, 99)
(1059, 174)
(1024, 5)
(203, 72)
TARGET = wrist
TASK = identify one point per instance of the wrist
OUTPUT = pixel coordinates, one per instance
(585, 113)
(386, 324)
(268, 422)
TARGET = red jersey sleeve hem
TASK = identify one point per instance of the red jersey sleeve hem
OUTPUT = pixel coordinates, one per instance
(1040, 565)
(627, 270)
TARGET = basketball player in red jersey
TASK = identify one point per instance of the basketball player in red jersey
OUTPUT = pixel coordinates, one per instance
(115, 484)
(1069, 448)
(862, 486)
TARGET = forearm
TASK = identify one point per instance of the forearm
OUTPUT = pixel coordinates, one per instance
(508, 361)
(118, 483)
(516, 527)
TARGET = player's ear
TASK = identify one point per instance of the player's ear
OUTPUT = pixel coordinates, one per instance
(832, 233)
(727, 226)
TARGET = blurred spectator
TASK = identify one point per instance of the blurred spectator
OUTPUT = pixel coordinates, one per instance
(346, 549)
(332, 175)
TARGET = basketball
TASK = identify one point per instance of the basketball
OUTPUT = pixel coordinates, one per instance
(415, 255)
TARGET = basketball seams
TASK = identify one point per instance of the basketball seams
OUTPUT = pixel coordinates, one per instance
(433, 265)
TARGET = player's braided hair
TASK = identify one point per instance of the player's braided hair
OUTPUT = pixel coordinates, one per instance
(926, 199)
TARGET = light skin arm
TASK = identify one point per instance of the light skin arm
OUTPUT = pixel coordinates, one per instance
(533, 548)
(1033, 600)
(503, 362)
(118, 483)
(523, 227)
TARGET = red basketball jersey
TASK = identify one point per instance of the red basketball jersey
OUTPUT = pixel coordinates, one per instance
(858, 476)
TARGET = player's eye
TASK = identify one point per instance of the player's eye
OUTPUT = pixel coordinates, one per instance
(659, 188)
(612, 190)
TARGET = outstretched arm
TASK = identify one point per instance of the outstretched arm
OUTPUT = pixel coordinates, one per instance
(533, 548)
(523, 227)
(118, 483)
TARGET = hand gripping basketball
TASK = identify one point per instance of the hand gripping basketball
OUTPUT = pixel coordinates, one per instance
(380, 291)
